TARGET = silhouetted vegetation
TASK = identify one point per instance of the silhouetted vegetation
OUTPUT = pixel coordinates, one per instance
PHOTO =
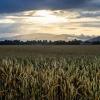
(46, 42)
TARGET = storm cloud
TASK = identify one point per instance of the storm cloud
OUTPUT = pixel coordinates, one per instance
(51, 16)
(7, 6)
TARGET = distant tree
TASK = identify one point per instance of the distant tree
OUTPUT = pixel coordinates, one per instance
(74, 42)
(45, 42)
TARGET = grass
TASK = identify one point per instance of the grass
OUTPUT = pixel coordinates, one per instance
(48, 76)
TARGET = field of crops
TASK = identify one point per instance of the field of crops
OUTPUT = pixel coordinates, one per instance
(50, 73)
(60, 50)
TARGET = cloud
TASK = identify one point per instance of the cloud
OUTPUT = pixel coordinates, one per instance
(6, 29)
(71, 21)
(89, 14)
(93, 25)
(7, 6)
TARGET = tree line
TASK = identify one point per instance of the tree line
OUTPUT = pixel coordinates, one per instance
(46, 42)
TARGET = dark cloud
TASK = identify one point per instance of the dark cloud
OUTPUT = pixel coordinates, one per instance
(15, 5)
(7, 6)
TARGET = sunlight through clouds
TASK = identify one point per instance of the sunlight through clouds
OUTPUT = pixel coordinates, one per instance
(51, 22)
(45, 17)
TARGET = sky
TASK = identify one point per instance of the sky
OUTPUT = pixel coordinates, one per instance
(20, 17)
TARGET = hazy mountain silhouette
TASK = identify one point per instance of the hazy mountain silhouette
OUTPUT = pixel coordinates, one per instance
(53, 37)
(96, 39)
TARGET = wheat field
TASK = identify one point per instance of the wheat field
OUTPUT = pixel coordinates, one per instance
(66, 75)
(51, 50)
